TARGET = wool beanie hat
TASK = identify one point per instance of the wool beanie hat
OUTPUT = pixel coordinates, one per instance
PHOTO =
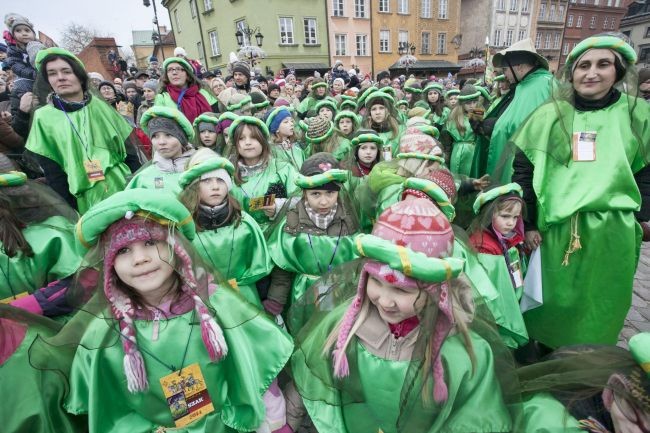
(168, 120)
(107, 83)
(415, 141)
(98, 76)
(32, 48)
(468, 93)
(168, 126)
(129, 85)
(281, 102)
(319, 126)
(13, 20)
(445, 180)
(151, 85)
(180, 51)
(275, 118)
(317, 164)
(272, 87)
(243, 68)
(206, 122)
(383, 74)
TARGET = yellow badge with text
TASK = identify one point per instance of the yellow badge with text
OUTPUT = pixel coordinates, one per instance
(94, 170)
(187, 395)
(257, 203)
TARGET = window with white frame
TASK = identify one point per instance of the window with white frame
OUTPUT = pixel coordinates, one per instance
(442, 43)
(592, 22)
(177, 21)
(551, 13)
(612, 25)
(426, 43)
(565, 50)
(341, 44)
(384, 5)
(579, 21)
(362, 45)
(286, 30)
(207, 4)
(514, 5)
(556, 41)
(497, 38)
(214, 43)
(538, 40)
(547, 41)
(384, 41)
(560, 14)
(509, 35)
(569, 20)
(525, 4)
(242, 27)
(605, 23)
(542, 11)
(402, 38)
(501, 5)
(193, 9)
(360, 8)
(443, 9)
(521, 35)
(425, 8)
(337, 8)
(402, 6)
(309, 25)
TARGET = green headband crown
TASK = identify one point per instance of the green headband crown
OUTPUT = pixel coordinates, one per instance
(262, 104)
(401, 102)
(13, 178)
(499, 78)
(452, 92)
(436, 194)
(347, 114)
(379, 94)
(348, 103)
(319, 84)
(435, 86)
(55, 51)
(413, 90)
(228, 115)
(311, 182)
(429, 130)
(205, 118)
(246, 100)
(326, 103)
(411, 263)
(492, 194)
(249, 120)
(169, 113)
(640, 348)
(158, 205)
(469, 97)
(366, 94)
(485, 93)
(365, 138)
(424, 156)
(606, 42)
(199, 169)
(184, 63)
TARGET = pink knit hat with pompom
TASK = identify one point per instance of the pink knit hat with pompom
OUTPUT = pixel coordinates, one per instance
(419, 226)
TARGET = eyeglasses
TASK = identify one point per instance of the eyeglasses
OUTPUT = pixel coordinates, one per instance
(633, 414)
(175, 70)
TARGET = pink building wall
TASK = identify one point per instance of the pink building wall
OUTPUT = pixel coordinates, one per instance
(350, 25)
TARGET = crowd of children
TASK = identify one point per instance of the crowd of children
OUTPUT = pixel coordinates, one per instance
(232, 257)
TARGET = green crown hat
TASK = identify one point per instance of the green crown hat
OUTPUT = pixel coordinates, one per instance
(452, 92)
(369, 91)
(401, 102)
(434, 192)
(158, 205)
(304, 126)
(184, 63)
(348, 103)
(500, 78)
(250, 120)
(391, 91)
(42, 54)
(606, 42)
(326, 103)
(429, 130)
(433, 86)
(13, 178)
(345, 97)
(423, 156)
(205, 118)
(199, 169)
(413, 90)
(265, 103)
(228, 115)
(379, 95)
(246, 100)
(365, 138)
(169, 113)
(640, 348)
(319, 84)
(487, 196)
(469, 97)
(347, 114)
(484, 93)
(411, 263)
(311, 182)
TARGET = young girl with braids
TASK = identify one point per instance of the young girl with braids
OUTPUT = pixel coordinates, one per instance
(402, 354)
(161, 344)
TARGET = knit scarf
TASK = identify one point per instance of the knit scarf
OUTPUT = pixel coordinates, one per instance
(404, 328)
(246, 171)
(189, 100)
(321, 221)
(211, 217)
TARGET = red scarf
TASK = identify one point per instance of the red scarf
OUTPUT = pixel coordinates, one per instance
(404, 328)
(193, 103)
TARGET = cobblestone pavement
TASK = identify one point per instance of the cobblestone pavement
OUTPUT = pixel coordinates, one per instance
(638, 319)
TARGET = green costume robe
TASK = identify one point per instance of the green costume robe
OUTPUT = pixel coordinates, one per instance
(238, 253)
(35, 397)
(529, 94)
(586, 301)
(473, 405)
(462, 153)
(294, 156)
(55, 257)
(342, 152)
(440, 121)
(276, 172)
(104, 132)
(257, 351)
(164, 175)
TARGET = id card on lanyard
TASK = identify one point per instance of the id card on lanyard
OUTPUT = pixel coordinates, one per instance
(583, 146)
(187, 395)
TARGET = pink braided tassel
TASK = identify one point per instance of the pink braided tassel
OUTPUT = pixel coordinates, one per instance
(342, 369)
(136, 376)
(440, 391)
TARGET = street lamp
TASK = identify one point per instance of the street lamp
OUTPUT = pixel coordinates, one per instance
(147, 3)
(246, 51)
(406, 50)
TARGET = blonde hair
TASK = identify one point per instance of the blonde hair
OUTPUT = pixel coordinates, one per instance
(457, 116)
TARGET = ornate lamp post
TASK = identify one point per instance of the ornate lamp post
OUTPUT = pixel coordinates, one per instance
(156, 37)
(252, 54)
(406, 50)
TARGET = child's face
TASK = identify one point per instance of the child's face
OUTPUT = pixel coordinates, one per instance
(286, 127)
(433, 96)
(248, 146)
(149, 94)
(393, 303)
(23, 34)
(403, 108)
(166, 145)
(208, 138)
(320, 200)
(212, 191)
(368, 153)
(345, 125)
(470, 105)
(505, 220)
(326, 113)
(378, 113)
(453, 100)
(320, 91)
(145, 266)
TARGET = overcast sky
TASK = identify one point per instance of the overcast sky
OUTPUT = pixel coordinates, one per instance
(115, 17)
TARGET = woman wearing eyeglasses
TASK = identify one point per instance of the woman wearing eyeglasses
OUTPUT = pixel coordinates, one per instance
(181, 89)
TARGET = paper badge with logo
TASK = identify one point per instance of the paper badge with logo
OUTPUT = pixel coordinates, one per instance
(187, 395)
(257, 203)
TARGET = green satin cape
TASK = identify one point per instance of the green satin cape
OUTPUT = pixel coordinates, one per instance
(104, 131)
(151, 177)
(600, 197)
(294, 156)
(462, 152)
(257, 351)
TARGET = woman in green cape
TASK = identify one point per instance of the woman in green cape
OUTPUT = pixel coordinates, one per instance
(171, 136)
(404, 354)
(435, 100)
(162, 344)
(315, 235)
(319, 91)
(85, 147)
(227, 238)
(582, 165)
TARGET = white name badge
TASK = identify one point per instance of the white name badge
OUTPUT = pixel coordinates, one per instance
(584, 146)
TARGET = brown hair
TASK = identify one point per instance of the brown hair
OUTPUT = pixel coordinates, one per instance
(191, 200)
(390, 121)
(191, 79)
(259, 136)
(484, 218)
(12, 239)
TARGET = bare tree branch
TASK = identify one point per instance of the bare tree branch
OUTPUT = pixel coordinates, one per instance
(75, 37)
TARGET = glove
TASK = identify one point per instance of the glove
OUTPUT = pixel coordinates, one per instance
(273, 307)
